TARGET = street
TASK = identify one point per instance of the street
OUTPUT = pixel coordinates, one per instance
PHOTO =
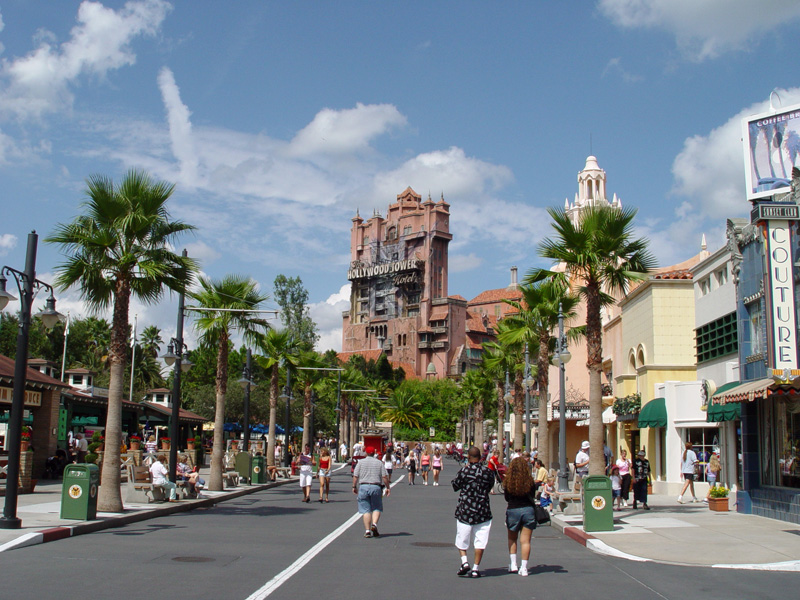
(269, 544)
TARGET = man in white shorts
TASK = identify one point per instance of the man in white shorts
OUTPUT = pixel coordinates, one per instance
(473, 512)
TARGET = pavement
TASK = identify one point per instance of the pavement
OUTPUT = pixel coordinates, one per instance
(670, 533)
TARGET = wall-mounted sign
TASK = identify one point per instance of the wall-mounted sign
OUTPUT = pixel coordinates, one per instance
(397, 266)
(780, 298)
(31, 398)
(776, 210)
(770, 151)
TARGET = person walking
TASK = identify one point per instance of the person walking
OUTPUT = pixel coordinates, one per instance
(324, 473)
(641, 474)
(473, 513)
(425, 464)
(388, 461)
(437, 464)
(712, 474)
(519, 489)
(411, 466)
(306, 463)
(582, 461)
(81, 448)
(688, 465)
(368, 476)
(624, 466)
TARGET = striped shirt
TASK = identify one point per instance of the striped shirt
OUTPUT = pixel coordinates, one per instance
(370, 470)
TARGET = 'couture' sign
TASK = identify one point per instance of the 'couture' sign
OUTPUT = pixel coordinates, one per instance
(781, 295)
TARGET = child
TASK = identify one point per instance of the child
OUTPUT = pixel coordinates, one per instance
(548, 491)
(616, 487)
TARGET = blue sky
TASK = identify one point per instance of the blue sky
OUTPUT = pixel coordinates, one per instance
(278, 120)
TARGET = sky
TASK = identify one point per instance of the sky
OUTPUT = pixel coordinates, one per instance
(277, 121)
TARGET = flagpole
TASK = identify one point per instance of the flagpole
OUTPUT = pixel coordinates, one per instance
(133, 354)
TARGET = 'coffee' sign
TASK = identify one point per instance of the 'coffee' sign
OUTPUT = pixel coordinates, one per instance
(781, 295)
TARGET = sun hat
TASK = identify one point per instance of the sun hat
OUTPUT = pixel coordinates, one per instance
(585, 446)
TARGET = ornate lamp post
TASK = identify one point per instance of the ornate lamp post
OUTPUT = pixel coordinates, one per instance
(26, 284)
(563, 356)
(508, 398)
(528, 382)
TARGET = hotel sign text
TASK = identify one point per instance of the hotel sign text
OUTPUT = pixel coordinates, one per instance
(397, 266)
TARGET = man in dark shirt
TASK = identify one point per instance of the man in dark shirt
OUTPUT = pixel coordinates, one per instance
(473, 511)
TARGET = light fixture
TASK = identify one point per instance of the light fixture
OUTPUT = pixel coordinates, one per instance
(565, 356)
(5, 297)
(431, 370)
(186, 364)
(170, 357)
(49, 315)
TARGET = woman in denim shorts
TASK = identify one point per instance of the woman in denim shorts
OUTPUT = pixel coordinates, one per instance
(519, 490)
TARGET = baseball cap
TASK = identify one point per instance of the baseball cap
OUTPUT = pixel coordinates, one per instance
(641, 452)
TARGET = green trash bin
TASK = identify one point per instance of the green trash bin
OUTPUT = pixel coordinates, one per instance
(258, 471)
(243, 465)
(598, 503)
(79, 492)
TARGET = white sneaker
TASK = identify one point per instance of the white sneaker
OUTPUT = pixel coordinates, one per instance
(523, 572)
(695, 500)
(705, 500)
(512, 568)
(680, 499)
(624, 504)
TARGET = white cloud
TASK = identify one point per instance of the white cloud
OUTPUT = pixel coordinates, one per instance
(328, 317)
(8, 242)
(458, 263)
(202, 252)
(345, 131)
(40, 82)
(704, 29)
(614, 66)
(180, 127)
(710, 168)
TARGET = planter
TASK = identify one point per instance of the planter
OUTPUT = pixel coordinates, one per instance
(190, 445)
(23, 445)
(166, 445)
(718, 504)
(136, 445)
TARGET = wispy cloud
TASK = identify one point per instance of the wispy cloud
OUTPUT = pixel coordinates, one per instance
(615, 67)
(8, 242)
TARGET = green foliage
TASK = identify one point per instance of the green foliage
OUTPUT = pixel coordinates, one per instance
(629, 405)
(292, 297)
(719, 491)
(441, 405)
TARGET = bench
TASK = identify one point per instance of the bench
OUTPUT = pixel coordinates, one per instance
(140, 487)
(571, 503)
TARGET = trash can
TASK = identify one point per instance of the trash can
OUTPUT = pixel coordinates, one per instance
(243, 465)
(258, 471)
(79, 492)
(598, 503)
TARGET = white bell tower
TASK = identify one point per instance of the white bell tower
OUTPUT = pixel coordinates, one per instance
(591, 190)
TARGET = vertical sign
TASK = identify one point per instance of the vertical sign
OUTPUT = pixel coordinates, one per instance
(782, 326)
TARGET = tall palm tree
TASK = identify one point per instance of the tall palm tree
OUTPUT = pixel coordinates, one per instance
(601, 259)
(310, 380)
(498, 360)
(150, 341)
(476, 388)
(278, 348)
(231, 293)
(121, 247)
(533, 323)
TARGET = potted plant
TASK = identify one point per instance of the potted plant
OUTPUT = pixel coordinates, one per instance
(136, 442)
(165, 443)
(190, 443)
(25, 438)
(718, 499)
(94, 448)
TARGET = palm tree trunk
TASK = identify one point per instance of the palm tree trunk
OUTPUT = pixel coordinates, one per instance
(307, 416)
(543, 375)
(215, 483)
(594, 363)
(478, 416)
(501, 411)
(109, 498)
(273, 414)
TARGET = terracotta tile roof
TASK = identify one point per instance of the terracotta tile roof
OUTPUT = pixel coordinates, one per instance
(439, 313)
(183, 414)
(475, 322)
(32, 376)
(495, 296)
(474, 344)
(457, 297)
(677, 274)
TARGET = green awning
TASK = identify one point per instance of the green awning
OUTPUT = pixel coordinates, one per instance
(653, 414)
(724, 412)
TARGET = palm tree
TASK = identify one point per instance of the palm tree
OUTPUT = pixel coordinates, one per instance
(535, 319)
(278, 347)
(403, 410)
(232, 293)
(118, 248)
(150, 340)
(600, 259)
(476, 388)
(499, 360)
(310, 380)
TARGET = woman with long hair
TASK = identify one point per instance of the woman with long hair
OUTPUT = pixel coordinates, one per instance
(519, 490)
(688, 465)
(624, 466)
(425, 464)
(324, 473)
(437, 463)
(388, 461)
(712, 474)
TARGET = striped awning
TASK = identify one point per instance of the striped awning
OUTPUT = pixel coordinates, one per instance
(744, 392)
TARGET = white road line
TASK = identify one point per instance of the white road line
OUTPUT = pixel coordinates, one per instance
(282, 577)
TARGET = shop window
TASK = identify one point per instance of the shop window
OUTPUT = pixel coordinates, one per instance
(705, 441)
(756, 321)
(787, 442)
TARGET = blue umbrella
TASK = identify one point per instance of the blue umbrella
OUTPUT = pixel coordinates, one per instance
(231, 427)
(260, 428)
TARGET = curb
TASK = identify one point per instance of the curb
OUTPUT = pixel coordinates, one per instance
(65, 531)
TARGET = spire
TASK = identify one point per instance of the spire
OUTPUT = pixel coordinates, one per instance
(566, 203)
(703, 245)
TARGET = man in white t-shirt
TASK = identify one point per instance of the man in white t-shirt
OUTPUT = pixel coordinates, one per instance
(582, 460)
(343, 452)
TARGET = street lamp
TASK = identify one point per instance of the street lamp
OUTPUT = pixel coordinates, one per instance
(288, 396)
(563, 356)
(508, 398)
(528, 382)
(26, 284)
(246, 383)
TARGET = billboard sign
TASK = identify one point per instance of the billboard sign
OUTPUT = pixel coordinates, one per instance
(771, 149)
(782, 329)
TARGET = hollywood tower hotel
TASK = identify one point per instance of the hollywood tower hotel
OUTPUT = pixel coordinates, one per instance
(398, 299)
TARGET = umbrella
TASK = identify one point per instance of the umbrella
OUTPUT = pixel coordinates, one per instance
(231, 427)
(260, 428)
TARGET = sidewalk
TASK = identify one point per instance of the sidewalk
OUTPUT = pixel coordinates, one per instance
(691, 534)
(41, 521)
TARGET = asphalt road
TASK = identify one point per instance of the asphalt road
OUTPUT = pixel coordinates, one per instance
(269, 544)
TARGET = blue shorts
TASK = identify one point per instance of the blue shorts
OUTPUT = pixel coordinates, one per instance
(517, 518)
(617, 493)
(370, 498)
